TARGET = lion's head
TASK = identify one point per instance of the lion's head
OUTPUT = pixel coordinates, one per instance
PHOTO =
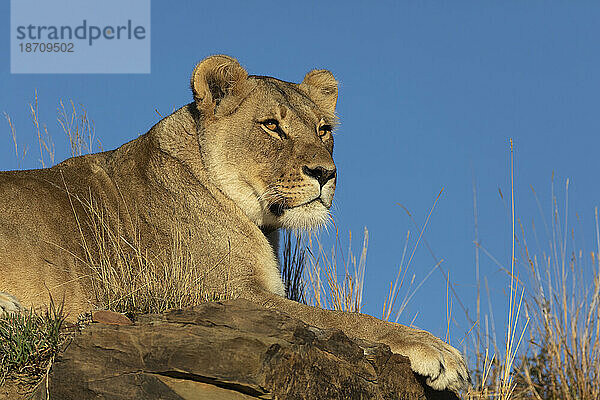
(268, 144)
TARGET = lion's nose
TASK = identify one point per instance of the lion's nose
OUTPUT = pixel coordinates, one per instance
(321, 174)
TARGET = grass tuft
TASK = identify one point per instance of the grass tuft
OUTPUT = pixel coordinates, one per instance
(293, 262)
(29, 341)
(129, 278)
(325, 283)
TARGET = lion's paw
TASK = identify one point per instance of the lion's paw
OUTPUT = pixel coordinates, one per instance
(9, 304)
(441, 364)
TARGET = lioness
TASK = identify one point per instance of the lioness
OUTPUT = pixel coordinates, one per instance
(250, 155)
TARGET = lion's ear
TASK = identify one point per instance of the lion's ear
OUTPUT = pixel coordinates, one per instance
(322, 87)
(213, 79)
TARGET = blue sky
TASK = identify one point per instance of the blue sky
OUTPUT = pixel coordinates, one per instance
(430, 93)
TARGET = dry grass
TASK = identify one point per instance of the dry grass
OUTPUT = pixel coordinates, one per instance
(495, 378)
(73, 121)
(45, 143)
(78, 128)
(130, 278)
(15, 143)
(563, 360)
(400, 284)
(329, 285)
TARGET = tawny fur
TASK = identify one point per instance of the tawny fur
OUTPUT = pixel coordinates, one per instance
(214, 167)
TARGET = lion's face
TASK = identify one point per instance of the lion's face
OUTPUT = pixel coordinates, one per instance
(268, 145)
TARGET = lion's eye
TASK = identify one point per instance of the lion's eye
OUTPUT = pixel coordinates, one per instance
(325, 130)
(271, 125)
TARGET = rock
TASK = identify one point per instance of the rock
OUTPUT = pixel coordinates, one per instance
(110, 318)
(230, 350)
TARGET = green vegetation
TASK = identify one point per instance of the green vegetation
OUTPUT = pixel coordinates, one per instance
(29, 341)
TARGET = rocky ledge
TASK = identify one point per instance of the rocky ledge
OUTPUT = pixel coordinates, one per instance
(229, 350)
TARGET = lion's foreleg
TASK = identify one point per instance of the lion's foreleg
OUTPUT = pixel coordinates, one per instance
(442, 364)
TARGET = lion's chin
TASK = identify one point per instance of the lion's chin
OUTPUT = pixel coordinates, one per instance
(308, 216)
